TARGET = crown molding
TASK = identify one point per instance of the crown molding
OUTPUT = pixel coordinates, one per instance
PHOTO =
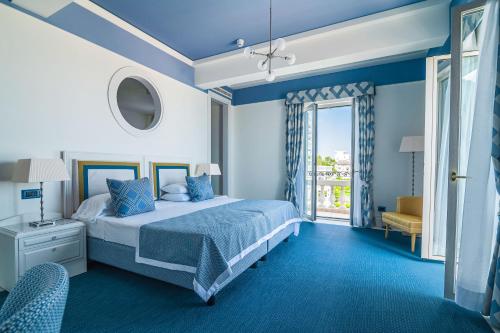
(101, 12)
(382, 35)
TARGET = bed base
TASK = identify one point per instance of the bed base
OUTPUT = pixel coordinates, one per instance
(211, 301)
(123, 257)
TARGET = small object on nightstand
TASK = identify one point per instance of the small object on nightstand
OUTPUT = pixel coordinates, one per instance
(40, 171)
(23, 246)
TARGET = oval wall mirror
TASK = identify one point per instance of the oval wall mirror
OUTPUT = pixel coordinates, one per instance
(134, 100)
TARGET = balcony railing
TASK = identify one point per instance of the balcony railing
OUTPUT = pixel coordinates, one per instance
(334, 196)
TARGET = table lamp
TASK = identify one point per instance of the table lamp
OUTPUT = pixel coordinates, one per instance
(412, 144)
(39, 171)
(210, 169)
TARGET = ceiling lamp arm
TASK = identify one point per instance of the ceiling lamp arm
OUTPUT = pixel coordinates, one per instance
(274, 47)
(261, 54)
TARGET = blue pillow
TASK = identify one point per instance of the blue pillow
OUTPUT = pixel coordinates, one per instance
(131, 197)
(199, 188)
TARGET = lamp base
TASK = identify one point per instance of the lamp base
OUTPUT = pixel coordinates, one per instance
(38, 224)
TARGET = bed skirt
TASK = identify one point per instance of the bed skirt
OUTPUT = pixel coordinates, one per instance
(123, 257)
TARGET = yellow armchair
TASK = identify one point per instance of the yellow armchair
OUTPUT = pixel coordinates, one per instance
(407, 218)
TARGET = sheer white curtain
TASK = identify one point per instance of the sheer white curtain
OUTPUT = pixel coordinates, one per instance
(439, 235)
(476, 216)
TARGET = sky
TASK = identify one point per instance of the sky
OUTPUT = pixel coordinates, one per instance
(334, 130)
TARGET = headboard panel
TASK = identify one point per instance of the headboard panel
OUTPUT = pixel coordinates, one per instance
(92, 175)
(89, 172)
(167, 173)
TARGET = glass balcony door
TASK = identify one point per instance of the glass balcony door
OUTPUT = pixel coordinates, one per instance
(328, 160)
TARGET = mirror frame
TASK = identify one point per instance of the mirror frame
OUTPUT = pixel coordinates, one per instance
(141, 76)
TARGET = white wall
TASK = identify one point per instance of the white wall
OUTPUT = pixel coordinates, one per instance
(258, 146)
(257, 156)
(400, 111)
(53, 97)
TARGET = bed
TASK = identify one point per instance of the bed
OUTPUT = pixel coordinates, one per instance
(201, 246)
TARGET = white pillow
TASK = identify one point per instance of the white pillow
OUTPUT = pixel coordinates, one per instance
(178, 197)
(175, 188)
(93, 207)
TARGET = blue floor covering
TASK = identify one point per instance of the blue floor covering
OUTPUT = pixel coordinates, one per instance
(329, 279)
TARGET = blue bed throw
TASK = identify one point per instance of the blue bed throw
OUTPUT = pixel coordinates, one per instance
(209, 242)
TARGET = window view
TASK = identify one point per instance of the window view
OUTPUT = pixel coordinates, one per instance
(333, 163)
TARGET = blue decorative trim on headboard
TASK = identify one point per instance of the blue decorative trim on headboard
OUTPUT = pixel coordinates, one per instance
(85, 166)
(332, 92)
(162, 166)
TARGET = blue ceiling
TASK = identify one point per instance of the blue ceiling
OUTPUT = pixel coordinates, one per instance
(202, 28)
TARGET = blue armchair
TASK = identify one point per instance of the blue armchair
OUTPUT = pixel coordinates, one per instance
(36, 303)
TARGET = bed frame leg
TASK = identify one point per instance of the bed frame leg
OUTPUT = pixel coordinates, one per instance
(263, 258)
(211, 301)
(286, 239)
(254, 265)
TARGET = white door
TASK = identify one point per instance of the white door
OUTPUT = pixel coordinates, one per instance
(437, 121)
(471, 191)
(310, 165)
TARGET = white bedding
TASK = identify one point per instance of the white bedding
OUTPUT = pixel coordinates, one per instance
(124, 230)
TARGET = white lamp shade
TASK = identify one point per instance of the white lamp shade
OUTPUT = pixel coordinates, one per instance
(279, 44)
(412, 144)
(40, 170)
(208, 168)
(270, 76)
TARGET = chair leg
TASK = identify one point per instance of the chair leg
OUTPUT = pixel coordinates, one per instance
(413, 238)
(386, 231)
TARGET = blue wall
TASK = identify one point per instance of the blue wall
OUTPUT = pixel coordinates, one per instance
(83, 23)
(398, 72)
(406, 71)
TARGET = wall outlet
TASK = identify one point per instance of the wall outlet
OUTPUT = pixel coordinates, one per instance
(381, 209)
(30, 194)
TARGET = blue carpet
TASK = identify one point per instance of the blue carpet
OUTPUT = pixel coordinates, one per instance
(329, 279)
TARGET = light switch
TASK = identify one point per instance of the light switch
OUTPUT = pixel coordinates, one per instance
(30, 194)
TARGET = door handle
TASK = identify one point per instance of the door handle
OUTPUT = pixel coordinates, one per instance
(454, 176)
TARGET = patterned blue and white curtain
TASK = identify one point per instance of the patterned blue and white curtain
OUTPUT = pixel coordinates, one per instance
(363, 95)
(491, 306)
(294, 141)
(366, 146)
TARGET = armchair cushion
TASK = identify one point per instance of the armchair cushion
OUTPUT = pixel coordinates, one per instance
(408, 223)
(37, 302)
(410, 206)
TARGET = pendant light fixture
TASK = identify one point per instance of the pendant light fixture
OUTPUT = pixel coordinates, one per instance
(275, 46)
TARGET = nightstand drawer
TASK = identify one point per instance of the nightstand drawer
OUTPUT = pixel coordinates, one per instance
(57, 253)
(52, 237)
(23, 247)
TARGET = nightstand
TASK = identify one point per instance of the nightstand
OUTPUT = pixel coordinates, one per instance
(23, 246)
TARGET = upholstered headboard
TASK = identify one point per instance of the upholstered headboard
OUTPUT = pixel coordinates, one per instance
(92, 175)
(89, 172)
(167, 173)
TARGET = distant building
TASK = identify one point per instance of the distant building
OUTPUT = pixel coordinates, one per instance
(343, 165)
(340, 155)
